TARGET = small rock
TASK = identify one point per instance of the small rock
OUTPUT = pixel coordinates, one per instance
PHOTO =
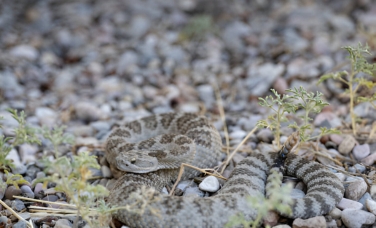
(206, 94)
(356, 218)
(46, 116)
(63, 223)
(349, 204)
(19, 167)
(24, 51)
(12, 191)
(331, 117)
(282, 226)
(260, 78)
(186, 183)
(20, 224)
(280, 85)
(27, 153)
(372, 191)
(271, 218)
(193, 192)
(371, 206)
(27, 192)
(238, 134)
(315, 222)
(87, 111)
(265, 135)
(337, 139)
(347, 145)
(209, 184)
(355, 190)
(364, 199)
(369, 160)
(341, 176)
(17, 205)
(360, 168)
(106, 172)
(335, 213)
(39, 190)
(361, 151)
(331, 224)
(3, 221)
(51, 198)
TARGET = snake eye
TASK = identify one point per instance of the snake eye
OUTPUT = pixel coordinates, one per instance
(133, 160)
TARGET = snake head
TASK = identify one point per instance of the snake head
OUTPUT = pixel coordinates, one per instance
(136, 163)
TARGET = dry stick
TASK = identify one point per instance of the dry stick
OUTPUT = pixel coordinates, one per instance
(29, 224)
(44, 201)
(181, 171)
(222, 114)
(236, 150)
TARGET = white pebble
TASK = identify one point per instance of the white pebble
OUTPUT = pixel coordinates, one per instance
(209, 184)
(356, 218)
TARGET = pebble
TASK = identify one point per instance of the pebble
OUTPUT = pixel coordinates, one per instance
(27, 153)
(265, 135)
(361, 151)
(369, 160)
(19, 168)
(349, 204)
(12, 191)
(271, 219)
(357, 218)
(337, 139)
(24, 51)
(315, 222)
(18, 205)
(87, 111)
(46, 116)
(209, 184)
(39, 190)
(20, 224)
(364, 199)
(282, 226)
(260, 78)
(341, 176)
(193, 192)
(3, 220)
(355, 190)
(335, 213)
(371, 206)
(331, 117)
(331, 224)
(27, 192)
(63, 223)
(347, 144)
(372, 191)
(106, 172)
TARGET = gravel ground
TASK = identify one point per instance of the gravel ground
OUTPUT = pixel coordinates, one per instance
(90, 65)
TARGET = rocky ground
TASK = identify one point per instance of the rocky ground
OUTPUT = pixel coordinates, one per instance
(90, 65)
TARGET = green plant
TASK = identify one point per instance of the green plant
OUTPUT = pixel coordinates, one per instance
(279, 199)
(57, 137)
(353, 79)
(22, 134)
(280, 105)
(71, 177)
(295, 99)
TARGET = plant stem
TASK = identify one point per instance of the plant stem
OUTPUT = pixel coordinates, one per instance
(352, 95)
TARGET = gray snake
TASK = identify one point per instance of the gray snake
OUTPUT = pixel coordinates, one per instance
(324, 189)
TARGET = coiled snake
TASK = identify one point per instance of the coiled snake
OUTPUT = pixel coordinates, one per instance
(153, 149)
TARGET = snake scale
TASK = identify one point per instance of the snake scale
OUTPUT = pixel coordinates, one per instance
(138, 146)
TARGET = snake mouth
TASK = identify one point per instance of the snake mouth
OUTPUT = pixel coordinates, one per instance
(137, 165)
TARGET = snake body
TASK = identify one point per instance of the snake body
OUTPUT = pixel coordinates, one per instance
(248, 178)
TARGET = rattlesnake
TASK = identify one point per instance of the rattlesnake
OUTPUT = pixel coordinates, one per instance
(325, 190)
